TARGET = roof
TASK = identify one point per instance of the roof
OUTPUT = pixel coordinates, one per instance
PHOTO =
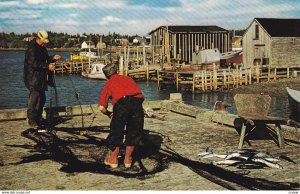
(185, 29)
(279, 27)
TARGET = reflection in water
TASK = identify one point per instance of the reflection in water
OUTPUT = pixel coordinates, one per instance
(14, 94)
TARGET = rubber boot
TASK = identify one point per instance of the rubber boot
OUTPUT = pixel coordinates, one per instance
(128, 158)
(111, 158)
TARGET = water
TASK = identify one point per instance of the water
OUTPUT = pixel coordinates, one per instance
(14, 93)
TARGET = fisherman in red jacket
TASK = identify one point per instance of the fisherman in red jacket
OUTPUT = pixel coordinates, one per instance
(127, 99)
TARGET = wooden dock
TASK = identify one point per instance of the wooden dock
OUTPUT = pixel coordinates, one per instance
(71, 67)
(222, 79)
(63, 159)
(195, 80)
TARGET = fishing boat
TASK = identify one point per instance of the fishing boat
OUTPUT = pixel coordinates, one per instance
(84, 56)
(294, 101)
(95, 71)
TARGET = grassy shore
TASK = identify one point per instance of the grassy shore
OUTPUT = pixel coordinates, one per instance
(272, 88)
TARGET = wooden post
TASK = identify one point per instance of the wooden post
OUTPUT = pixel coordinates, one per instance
(193, 87)
(125, 57)
(202, 80)
(224, 78)
(144, 63)
(205, 80)
(257, 74)
(288, 72)
(246, 76)
(121, 66)
(153, 54)
(275, 73)
(147, 70)
(295, 73)
(127, 64)
(250, 76)
(157, 71)
(269, 72)
(144, 55)
(237, 76)
(177, 80)
(70, 71)
(243, 132)
(210, 80)
(137, 55)
(215, 79)
(240, 76)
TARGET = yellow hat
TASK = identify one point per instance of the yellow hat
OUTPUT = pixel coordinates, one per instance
(43, 35)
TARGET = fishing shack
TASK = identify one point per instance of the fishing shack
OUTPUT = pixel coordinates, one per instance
(179, 42)
(272, 41)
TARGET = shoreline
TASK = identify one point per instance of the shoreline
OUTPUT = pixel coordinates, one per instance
(272, 88)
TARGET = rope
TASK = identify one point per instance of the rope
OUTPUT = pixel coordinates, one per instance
(77, 96)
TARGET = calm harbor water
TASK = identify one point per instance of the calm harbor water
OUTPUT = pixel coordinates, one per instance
(14, 93)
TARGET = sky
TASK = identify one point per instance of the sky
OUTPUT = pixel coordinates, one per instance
(136, 16)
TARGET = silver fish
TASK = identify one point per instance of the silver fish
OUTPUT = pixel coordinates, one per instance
(236, 155)
(225, 162)
(248, 166)
(223, 156)
(267, 163)
(211, 154)
(204, 153)
(263, 155)
(272, 160)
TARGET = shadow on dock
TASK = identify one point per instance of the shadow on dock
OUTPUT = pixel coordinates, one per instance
(86, 154)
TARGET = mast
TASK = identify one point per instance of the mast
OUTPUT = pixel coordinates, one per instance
(89, 53)
(167, 49)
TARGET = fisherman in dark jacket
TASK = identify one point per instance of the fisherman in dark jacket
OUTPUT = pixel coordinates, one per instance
(36, 66)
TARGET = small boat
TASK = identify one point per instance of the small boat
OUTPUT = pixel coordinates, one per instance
(96, 71)
(84, 56)
(294, 101)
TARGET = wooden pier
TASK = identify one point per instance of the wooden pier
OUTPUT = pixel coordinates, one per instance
(222, 79)
(71, 67)
(132, 61)
(62, 159)
(75, 66)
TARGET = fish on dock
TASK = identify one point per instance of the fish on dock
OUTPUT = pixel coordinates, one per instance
(243, 158)
(237, 156)
(267, 163)
(226, 162)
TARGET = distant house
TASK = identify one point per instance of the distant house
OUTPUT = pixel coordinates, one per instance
(139, 40)
(121, 41)
(135, 41)
(101, 45)
(28, 39)
(85, 45)
(184, 39)
(272, 41)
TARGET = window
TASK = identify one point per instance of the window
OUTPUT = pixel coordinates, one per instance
(256, 32)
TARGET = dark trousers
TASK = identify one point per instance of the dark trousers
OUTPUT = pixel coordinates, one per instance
(36, 102)
(128, 111)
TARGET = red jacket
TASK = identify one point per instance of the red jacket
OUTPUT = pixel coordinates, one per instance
(118, 86)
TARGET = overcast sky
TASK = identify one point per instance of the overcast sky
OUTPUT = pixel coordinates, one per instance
(136, 16)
